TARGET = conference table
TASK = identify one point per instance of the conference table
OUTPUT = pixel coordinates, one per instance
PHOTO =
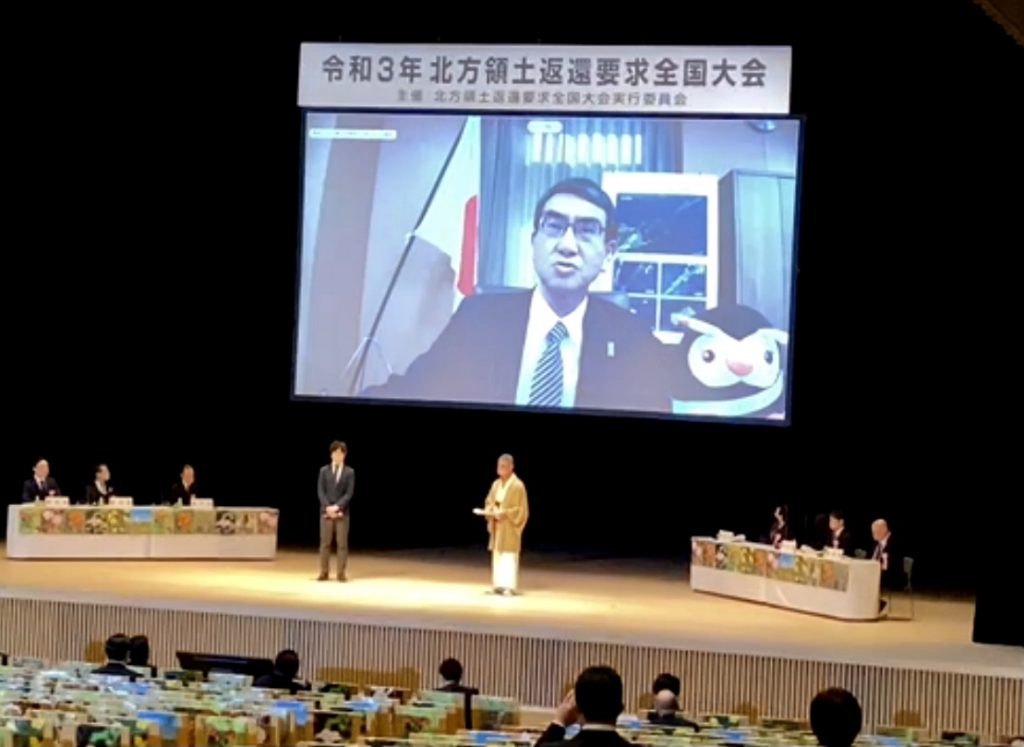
(39, 531)
(804, 580)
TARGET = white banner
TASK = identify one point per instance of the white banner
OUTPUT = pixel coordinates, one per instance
(695, 80)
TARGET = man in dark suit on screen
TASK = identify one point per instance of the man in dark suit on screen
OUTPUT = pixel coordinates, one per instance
(335, 486)
(557, 345)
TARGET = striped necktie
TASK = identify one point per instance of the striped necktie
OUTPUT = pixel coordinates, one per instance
(547, 384)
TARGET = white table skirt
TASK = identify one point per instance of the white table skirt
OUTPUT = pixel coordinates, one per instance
(859, 600)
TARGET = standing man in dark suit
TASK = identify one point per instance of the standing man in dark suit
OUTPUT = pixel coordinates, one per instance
(335, 487)
(557, 345)
(40, 485)
(595, 704)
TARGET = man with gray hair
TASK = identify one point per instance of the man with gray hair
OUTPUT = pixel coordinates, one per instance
(887, 553)
(507, 511)
(666, 712)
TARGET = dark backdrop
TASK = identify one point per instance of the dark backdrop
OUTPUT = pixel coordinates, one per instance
(150, 263)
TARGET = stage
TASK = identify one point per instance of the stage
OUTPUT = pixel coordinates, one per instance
(402, 612)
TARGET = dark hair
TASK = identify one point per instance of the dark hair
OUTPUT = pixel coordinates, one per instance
(287, 663)
(138, 654)
(599, 695)
(837, 515)
(339, 446)
(585, 189)
(667, 681)
(100, 466)
(451, 670)
(117, 647)
(836, 717)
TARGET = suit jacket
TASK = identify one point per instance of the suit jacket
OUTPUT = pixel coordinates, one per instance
(117, 669)
(336, 493)
(506, 533)
(554, 736)
(93, 494)
(179, 492)
(31, 491)
(277, 681)
(844, 542)
(477, 358)
(891, 559)
(673, 719)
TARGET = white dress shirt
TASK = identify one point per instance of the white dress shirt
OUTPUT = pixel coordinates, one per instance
(542, 318)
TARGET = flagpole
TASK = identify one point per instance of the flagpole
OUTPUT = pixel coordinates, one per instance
(359, 357)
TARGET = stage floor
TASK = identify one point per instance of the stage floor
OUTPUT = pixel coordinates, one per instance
(634, 602)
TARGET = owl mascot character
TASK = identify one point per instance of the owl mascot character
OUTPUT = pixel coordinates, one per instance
(733, 360)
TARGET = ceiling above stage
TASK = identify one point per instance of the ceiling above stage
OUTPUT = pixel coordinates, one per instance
(1009, 14)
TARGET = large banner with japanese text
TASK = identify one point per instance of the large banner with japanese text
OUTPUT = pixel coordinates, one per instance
(719, 80)
(603, 230)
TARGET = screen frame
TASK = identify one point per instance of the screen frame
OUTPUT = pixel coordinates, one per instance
(784, 422)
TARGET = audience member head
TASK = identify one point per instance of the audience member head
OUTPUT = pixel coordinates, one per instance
(667, 681)
(138, 653)
(836, 717)
(41, 469)
(506, 465)
(451, 670)
(599, 695)
(836, 521)
(117, 648)
(666, 702)
(879, 529)
(287, 664)
(338, 452)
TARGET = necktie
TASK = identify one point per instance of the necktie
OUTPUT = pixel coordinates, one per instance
(546, 387)
(336, 473)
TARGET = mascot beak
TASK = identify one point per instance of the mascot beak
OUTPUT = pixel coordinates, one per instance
(740, 368)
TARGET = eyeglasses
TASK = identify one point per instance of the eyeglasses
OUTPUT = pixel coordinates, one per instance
(554, 225)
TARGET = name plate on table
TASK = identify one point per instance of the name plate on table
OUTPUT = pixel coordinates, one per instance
(57, 501)
(204, 503)
(121, 501)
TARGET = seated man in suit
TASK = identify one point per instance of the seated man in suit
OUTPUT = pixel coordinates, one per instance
(839, 538)
(286, 667)
(40, 485)
(451, 672)
(184, 490)
(595, 704)
(556, 345)
(887, 552)
(100, 490)
(666, 712)
(117, 648)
